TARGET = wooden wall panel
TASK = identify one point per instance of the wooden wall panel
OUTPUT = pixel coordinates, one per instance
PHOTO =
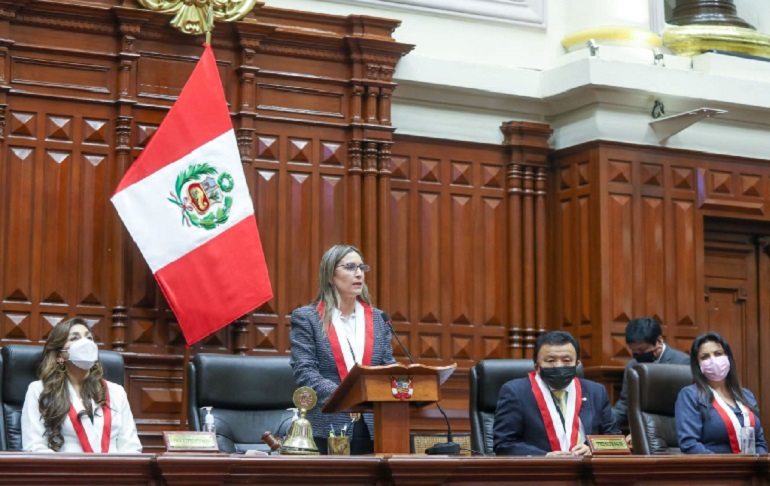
(448, 240)
(651, 237)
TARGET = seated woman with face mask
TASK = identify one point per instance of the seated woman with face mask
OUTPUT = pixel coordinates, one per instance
(72, 408)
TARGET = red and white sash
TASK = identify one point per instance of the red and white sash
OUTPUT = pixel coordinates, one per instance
(557, 433)
(731, 421)
(343, 357)
(80, 430)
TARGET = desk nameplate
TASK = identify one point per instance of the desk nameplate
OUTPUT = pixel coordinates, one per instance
(608, 445)
(189, 441)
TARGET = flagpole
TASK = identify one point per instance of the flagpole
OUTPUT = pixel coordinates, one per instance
(183, 415)
(209, 23)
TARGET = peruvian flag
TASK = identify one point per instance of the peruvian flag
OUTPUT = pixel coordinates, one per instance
(186, 204)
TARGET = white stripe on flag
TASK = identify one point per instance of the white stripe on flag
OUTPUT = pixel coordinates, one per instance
(157, 226)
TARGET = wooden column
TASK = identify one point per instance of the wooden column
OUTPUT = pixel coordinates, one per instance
(131, 22)
(383, 223)
(355, 170)
(527, 235)
(369, 208)
(244, 122)
(515, 191)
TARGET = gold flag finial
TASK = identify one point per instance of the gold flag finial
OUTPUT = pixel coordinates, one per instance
(192, 16)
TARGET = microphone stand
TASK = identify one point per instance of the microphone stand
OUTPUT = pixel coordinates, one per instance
(448, 448)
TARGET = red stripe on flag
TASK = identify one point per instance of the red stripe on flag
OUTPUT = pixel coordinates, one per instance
(217, 282)
(199, 115)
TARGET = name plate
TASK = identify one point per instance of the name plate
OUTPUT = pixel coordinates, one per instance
(607, 445)
(188, 441)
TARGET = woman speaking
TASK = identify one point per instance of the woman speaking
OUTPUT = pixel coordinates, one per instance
(339, 329)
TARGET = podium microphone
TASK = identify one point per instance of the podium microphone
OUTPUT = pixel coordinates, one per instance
(448, 448)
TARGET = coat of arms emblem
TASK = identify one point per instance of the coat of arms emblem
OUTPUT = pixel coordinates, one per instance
(201, 193)
(401, 387)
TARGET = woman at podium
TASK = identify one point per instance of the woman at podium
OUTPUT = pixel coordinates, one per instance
(339, 329)
(72, 408)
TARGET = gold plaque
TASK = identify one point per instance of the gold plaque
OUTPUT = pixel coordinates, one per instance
(187, 441)
(608, 445)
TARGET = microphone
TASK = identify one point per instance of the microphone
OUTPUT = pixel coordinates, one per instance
(448, 448)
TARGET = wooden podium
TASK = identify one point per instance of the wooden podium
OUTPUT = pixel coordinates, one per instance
(372, 388)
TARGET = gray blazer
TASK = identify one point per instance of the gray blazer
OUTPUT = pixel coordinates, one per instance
(669, 356)
(313, 363)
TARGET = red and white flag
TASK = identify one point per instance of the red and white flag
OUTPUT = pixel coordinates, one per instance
(186, 204)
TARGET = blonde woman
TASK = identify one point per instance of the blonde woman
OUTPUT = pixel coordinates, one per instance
(340, 328)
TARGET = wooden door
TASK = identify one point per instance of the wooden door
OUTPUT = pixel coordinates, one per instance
(737, 295)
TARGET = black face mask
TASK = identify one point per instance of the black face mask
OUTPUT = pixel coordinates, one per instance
(647, 357)
(558, 377)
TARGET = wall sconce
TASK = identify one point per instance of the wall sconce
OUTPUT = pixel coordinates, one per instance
(667, 126)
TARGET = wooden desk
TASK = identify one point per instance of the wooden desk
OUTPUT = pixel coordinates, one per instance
(56, 469)
(402, 470)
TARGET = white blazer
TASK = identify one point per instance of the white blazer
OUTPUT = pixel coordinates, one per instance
(123, 436)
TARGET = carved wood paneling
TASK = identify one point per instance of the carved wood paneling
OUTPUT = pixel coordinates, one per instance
(650, 229)
(448, 236)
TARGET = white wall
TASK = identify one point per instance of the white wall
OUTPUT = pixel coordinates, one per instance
(467, 76)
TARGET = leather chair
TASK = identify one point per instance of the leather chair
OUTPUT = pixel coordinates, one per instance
(486, 380)
(652, 392)
(18, 368)
(249, 395)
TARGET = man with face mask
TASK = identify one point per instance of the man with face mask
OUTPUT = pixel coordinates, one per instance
(551, 411)
(644, 339)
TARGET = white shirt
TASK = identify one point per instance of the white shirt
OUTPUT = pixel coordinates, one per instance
(123, 437)
(351, 334)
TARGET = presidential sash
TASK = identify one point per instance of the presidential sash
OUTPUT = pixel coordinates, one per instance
(343, 365)
(557, 432)
(80, 431)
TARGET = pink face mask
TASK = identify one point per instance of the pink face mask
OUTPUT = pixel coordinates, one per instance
(715, 369)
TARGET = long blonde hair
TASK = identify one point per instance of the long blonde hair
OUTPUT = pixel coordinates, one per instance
(54, 400)
(327, 291)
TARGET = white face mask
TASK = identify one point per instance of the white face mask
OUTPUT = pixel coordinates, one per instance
(83, 353)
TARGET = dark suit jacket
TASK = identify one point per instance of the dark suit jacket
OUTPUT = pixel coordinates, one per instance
(314, 366)
(519, 428)
(709, 436)
(669, 356)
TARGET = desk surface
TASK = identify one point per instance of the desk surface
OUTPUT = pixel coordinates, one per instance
(220, 469)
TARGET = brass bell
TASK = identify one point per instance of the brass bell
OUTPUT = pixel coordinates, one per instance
(299, 439)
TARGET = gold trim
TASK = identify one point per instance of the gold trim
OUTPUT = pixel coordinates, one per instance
(624, 36)
(190, 15)
(691, 40)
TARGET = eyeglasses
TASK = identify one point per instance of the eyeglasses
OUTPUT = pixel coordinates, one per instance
(351, 267)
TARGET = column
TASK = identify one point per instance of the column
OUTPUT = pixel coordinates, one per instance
(609, 23)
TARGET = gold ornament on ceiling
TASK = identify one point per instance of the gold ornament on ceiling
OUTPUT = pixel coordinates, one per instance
(192, 16)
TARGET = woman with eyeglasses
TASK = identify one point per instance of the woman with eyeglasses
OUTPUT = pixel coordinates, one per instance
(72, 408)
(339, 329)
(715, 415)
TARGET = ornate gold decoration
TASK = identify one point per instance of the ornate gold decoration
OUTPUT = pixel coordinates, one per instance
(620, 36)
(190, 16)
(691, 40)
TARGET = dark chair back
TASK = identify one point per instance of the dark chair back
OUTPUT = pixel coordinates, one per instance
(249, 395)
(18, 368)
(486, 380)
(652, 392)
